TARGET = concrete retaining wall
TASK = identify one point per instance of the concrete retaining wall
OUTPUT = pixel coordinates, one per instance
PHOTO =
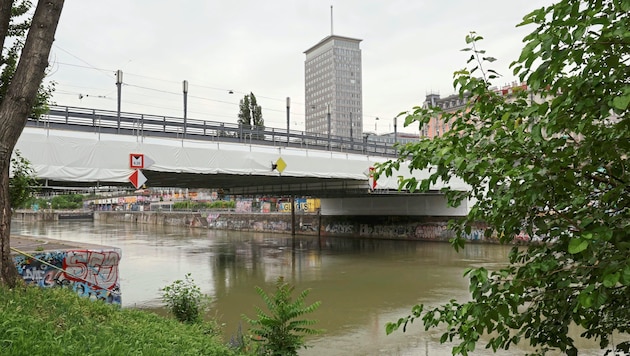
(51, 215)
(382, 227)
(91, 271)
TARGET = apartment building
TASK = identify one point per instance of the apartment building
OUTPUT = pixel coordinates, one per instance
(333, 87)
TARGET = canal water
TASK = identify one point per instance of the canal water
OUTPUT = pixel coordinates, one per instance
(362, 284)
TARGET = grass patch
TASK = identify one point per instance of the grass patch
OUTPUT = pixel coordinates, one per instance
(55, 321)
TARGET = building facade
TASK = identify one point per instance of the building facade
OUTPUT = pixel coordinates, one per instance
(438, 126)
(333, 88)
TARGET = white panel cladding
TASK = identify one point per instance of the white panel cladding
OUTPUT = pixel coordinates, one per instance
(393, 205)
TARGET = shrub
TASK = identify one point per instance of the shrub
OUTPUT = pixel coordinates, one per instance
(278, 331)
(184, 300)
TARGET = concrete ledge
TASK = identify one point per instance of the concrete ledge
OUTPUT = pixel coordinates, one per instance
(90, 270)
(39, 244)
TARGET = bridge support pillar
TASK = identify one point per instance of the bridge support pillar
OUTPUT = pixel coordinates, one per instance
(292, 215)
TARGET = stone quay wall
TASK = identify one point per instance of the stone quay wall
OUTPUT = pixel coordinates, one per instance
(381, 227)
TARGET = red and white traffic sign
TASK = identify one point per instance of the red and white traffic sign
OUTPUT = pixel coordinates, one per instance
(137, 178)
(371, 180)
(136, 160)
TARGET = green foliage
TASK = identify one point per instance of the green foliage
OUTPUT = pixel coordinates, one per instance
(10, 56)
(250, 117)
(67, 201)
(192, 205)
(184, 300)
(277, 330)
(66, 324)
(551, 161)
(223, 204)
(23, 184)
(61, 202)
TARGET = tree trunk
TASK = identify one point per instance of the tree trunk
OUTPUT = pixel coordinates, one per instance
(5, 19)
(15, 109)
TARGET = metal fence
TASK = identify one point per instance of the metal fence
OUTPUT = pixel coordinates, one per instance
(142, 125)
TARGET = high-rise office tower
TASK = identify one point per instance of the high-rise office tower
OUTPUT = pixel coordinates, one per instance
(333, 95)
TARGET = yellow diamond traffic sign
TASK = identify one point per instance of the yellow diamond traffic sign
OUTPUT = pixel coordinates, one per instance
(281, 165)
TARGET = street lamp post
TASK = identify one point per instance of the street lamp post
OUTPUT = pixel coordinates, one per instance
(185, 90)
(395, 132)
(328, 117)
(288, 118)
(351, 133)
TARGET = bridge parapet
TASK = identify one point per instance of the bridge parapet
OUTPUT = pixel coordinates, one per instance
(144, 125)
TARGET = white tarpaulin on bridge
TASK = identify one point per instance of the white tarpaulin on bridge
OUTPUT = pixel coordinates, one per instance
(84, 157)
(62, 155)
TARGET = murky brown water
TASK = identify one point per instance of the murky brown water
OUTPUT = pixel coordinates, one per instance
(362, 284)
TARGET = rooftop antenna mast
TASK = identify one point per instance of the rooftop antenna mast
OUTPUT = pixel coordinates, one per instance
(331, 20)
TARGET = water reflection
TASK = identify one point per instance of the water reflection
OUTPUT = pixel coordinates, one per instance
(362, 283)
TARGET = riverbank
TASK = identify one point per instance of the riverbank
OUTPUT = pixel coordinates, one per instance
(55, 321)
(425, 228)
(379, 227)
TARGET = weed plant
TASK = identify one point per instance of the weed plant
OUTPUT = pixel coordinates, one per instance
(279, 330)
(183, 298)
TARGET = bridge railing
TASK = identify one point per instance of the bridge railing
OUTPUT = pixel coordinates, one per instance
(143, 125)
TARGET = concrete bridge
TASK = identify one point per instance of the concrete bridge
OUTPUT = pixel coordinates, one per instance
(86, 147)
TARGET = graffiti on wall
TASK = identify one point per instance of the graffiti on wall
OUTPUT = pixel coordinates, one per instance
(413, 230)
(243, 206)
(92, 274)
(301, 205)
(386, 231)
(434, 231)
(340, 228)
(271, 225)
(212, 217)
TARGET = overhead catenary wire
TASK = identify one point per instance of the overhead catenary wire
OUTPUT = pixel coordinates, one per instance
(110, 72)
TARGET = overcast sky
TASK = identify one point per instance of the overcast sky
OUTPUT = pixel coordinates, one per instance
(409, 48)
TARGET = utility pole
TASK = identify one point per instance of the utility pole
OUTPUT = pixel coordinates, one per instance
(119, 80)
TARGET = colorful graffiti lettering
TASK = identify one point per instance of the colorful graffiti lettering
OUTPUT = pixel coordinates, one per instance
(89, 273)
(244, 206)
(94, 267)
(301, 205)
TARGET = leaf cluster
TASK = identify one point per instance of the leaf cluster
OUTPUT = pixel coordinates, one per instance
(279, 329)
(13, 44)
(250, 113)
(194, 205)
(550, 161)
(23, 184)
(183, 298)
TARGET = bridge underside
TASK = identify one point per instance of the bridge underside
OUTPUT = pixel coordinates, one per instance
(236, 184)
